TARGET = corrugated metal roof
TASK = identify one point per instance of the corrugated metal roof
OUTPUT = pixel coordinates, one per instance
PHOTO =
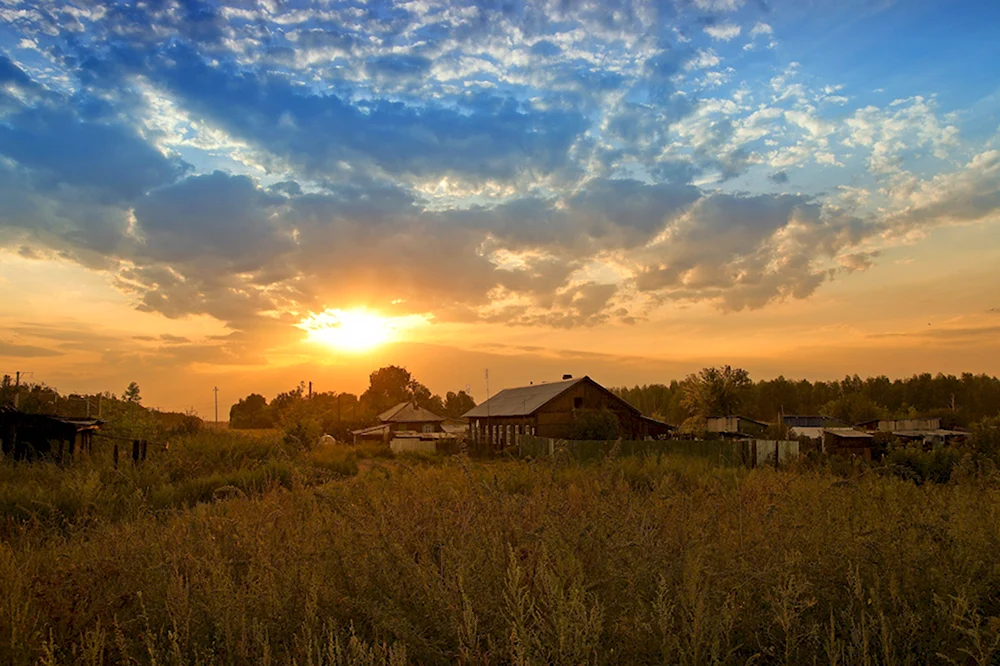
(407, 412)
(523, 400)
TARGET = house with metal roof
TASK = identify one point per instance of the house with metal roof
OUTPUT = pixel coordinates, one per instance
(554, 409)
(407, 417)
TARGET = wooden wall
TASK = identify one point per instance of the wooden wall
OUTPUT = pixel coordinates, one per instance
(555, 419)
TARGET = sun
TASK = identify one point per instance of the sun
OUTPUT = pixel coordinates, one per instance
(355, 331)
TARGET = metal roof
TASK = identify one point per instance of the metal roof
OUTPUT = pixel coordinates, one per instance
(523, 400)
(407, 412)
(850, 433)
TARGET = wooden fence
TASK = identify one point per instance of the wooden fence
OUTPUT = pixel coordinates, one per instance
(726, 453)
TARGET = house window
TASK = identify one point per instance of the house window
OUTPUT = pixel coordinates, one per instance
(577, 403)
(428, 427)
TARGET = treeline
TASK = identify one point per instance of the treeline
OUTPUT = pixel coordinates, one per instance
(304, 416)
(959, 401)
(124, 415)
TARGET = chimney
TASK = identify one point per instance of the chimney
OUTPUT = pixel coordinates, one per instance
(567, 376)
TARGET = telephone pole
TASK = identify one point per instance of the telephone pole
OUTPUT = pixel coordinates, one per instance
(216, 389)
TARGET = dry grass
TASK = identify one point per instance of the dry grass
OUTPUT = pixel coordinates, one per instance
(627, 561)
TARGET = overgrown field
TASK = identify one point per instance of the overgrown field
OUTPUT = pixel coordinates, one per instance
(236, 550)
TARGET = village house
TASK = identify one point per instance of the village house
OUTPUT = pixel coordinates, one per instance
(408, 419)
(552, 410)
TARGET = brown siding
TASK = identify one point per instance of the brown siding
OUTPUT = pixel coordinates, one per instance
(555, 419)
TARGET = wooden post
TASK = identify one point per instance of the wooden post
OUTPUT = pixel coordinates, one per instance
(142, 452)
(135, 451)
(776, 444)
(116, 455)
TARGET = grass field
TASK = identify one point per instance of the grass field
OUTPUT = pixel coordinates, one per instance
(239, 550)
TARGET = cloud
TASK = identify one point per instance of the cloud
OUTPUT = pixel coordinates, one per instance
(723, 32)
(10, 350)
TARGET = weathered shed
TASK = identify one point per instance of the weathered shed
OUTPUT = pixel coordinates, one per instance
(848, 442)
(735, 426)
(29, 436)
(551, 410)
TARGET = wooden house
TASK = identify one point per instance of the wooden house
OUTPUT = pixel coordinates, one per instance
(552, 410)
(407, 417)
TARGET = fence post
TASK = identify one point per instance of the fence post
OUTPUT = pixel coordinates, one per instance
(116, 455)
(135, 451)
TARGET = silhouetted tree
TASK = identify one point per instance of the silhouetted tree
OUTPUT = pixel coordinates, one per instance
(132, 394)
(457, 404)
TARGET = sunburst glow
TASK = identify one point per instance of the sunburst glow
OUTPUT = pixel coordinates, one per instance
(356, 330)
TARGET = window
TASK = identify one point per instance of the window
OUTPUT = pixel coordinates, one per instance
(577, 403)
(428, 427)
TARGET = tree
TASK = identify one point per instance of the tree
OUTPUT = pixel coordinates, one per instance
(457, 404)
(387, 387)
(392, 385)
(251, 412)
(715, 391)
(131, 394)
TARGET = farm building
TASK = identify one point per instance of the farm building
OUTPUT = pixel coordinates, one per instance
(847, 442)
(735, 426)
(556, 410)
(811, 426)
(28, 436)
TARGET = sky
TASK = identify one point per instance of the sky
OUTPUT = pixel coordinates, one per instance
(198, 194)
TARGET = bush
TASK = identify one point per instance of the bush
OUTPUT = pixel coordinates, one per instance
(595, 424)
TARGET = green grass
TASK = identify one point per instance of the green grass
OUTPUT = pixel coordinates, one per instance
(249, 553)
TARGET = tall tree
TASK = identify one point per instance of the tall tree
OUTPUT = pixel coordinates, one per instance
(132, 394)
(715, 391)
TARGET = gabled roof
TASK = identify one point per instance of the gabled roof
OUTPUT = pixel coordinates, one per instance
(407, 412)
(526, 400)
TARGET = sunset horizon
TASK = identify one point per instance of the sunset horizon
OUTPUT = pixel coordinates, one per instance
(270, 196)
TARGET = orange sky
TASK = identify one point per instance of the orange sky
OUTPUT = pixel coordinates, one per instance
(915, 312)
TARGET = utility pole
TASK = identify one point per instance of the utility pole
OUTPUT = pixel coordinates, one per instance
(17, 389)
(216, 389)
(310, 390)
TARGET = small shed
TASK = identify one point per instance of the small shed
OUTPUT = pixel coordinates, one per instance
(848, 442)
(30, 436)
(735, 426)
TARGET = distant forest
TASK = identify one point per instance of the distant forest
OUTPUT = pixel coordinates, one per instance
(959, 401)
